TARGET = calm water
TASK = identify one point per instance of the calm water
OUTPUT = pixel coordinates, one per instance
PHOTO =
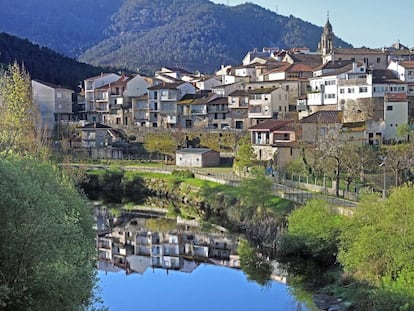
(163, 264)
(208, 287)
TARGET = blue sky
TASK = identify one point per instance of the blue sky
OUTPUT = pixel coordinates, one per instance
(370, 23)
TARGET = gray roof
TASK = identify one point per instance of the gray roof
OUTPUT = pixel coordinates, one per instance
(96, 125)
(324, 116)
(194, 150)
(166, 86)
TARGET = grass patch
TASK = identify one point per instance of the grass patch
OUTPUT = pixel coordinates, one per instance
(281, 205)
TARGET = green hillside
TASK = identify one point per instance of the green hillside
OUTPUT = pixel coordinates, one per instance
(43, 63)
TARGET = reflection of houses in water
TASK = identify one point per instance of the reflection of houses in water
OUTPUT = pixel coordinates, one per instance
(136, 249)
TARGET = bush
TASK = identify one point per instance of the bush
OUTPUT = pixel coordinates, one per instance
(182, 174)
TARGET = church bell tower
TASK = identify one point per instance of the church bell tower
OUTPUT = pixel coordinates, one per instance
(327, 39)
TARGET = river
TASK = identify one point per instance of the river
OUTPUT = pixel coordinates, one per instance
(156, 263)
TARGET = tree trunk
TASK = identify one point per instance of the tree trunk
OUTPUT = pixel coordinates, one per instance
(338, 167)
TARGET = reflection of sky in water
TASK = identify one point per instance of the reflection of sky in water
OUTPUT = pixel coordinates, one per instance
(208, 287)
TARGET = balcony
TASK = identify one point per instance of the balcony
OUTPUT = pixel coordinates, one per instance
(352, 82)
(259, 112)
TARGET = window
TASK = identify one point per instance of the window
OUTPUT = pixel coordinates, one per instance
(59, 95)
(378, 60)
(341, 91)
(363, 89)
(351, 90)
(389, 108)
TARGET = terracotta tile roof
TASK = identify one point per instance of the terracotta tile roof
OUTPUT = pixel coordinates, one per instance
(263, 90)
(334, 64)
(272, 125)
(407, 64)
(217, 101)
(324, 116)
(239, 93)
(395, 97)
(306, 58)
(165, 86)
(358, 51)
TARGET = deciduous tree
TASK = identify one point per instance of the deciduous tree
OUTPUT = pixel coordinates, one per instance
(47, 255)
(377, 246)
(19, 117)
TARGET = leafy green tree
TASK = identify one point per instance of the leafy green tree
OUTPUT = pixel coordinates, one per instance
(404, 131)
(377, 245)
(245, 156)
(256, 192)
(19, 116)
(318, 227)
(164, 143)
(47, 254)
(297, 167)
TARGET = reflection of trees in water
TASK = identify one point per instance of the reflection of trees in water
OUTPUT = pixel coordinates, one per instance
(256, 267)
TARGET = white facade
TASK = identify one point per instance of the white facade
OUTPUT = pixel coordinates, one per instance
(93, 83)
(246, 72)
(268, 103)
(405, 72)
(324, 91)
(225, 90)
(207, 84)
(395, 114)
(54, 103)
(137, 86)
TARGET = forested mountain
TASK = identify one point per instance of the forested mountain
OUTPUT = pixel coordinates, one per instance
(66, 26)
(196, 35)
(147, 34)
(43, 63)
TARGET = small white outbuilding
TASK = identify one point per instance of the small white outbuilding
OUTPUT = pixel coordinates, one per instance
(197, 157)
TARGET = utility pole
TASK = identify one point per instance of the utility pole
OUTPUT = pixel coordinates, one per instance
(384, 188)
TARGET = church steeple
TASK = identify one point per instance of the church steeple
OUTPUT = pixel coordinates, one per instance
(327, 38)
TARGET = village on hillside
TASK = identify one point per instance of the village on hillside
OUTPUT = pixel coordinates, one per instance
(283, 98)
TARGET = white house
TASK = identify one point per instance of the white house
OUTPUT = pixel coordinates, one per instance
(226, 89)
(90, 85)
(404, 70)
(162, 102)
(54, 103)
(137, 86)
(207, 83)
(395, 114)
(267, 103)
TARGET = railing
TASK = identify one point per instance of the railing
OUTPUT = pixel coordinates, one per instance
(358, 81)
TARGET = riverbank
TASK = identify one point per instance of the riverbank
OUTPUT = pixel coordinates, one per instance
(190, 198)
